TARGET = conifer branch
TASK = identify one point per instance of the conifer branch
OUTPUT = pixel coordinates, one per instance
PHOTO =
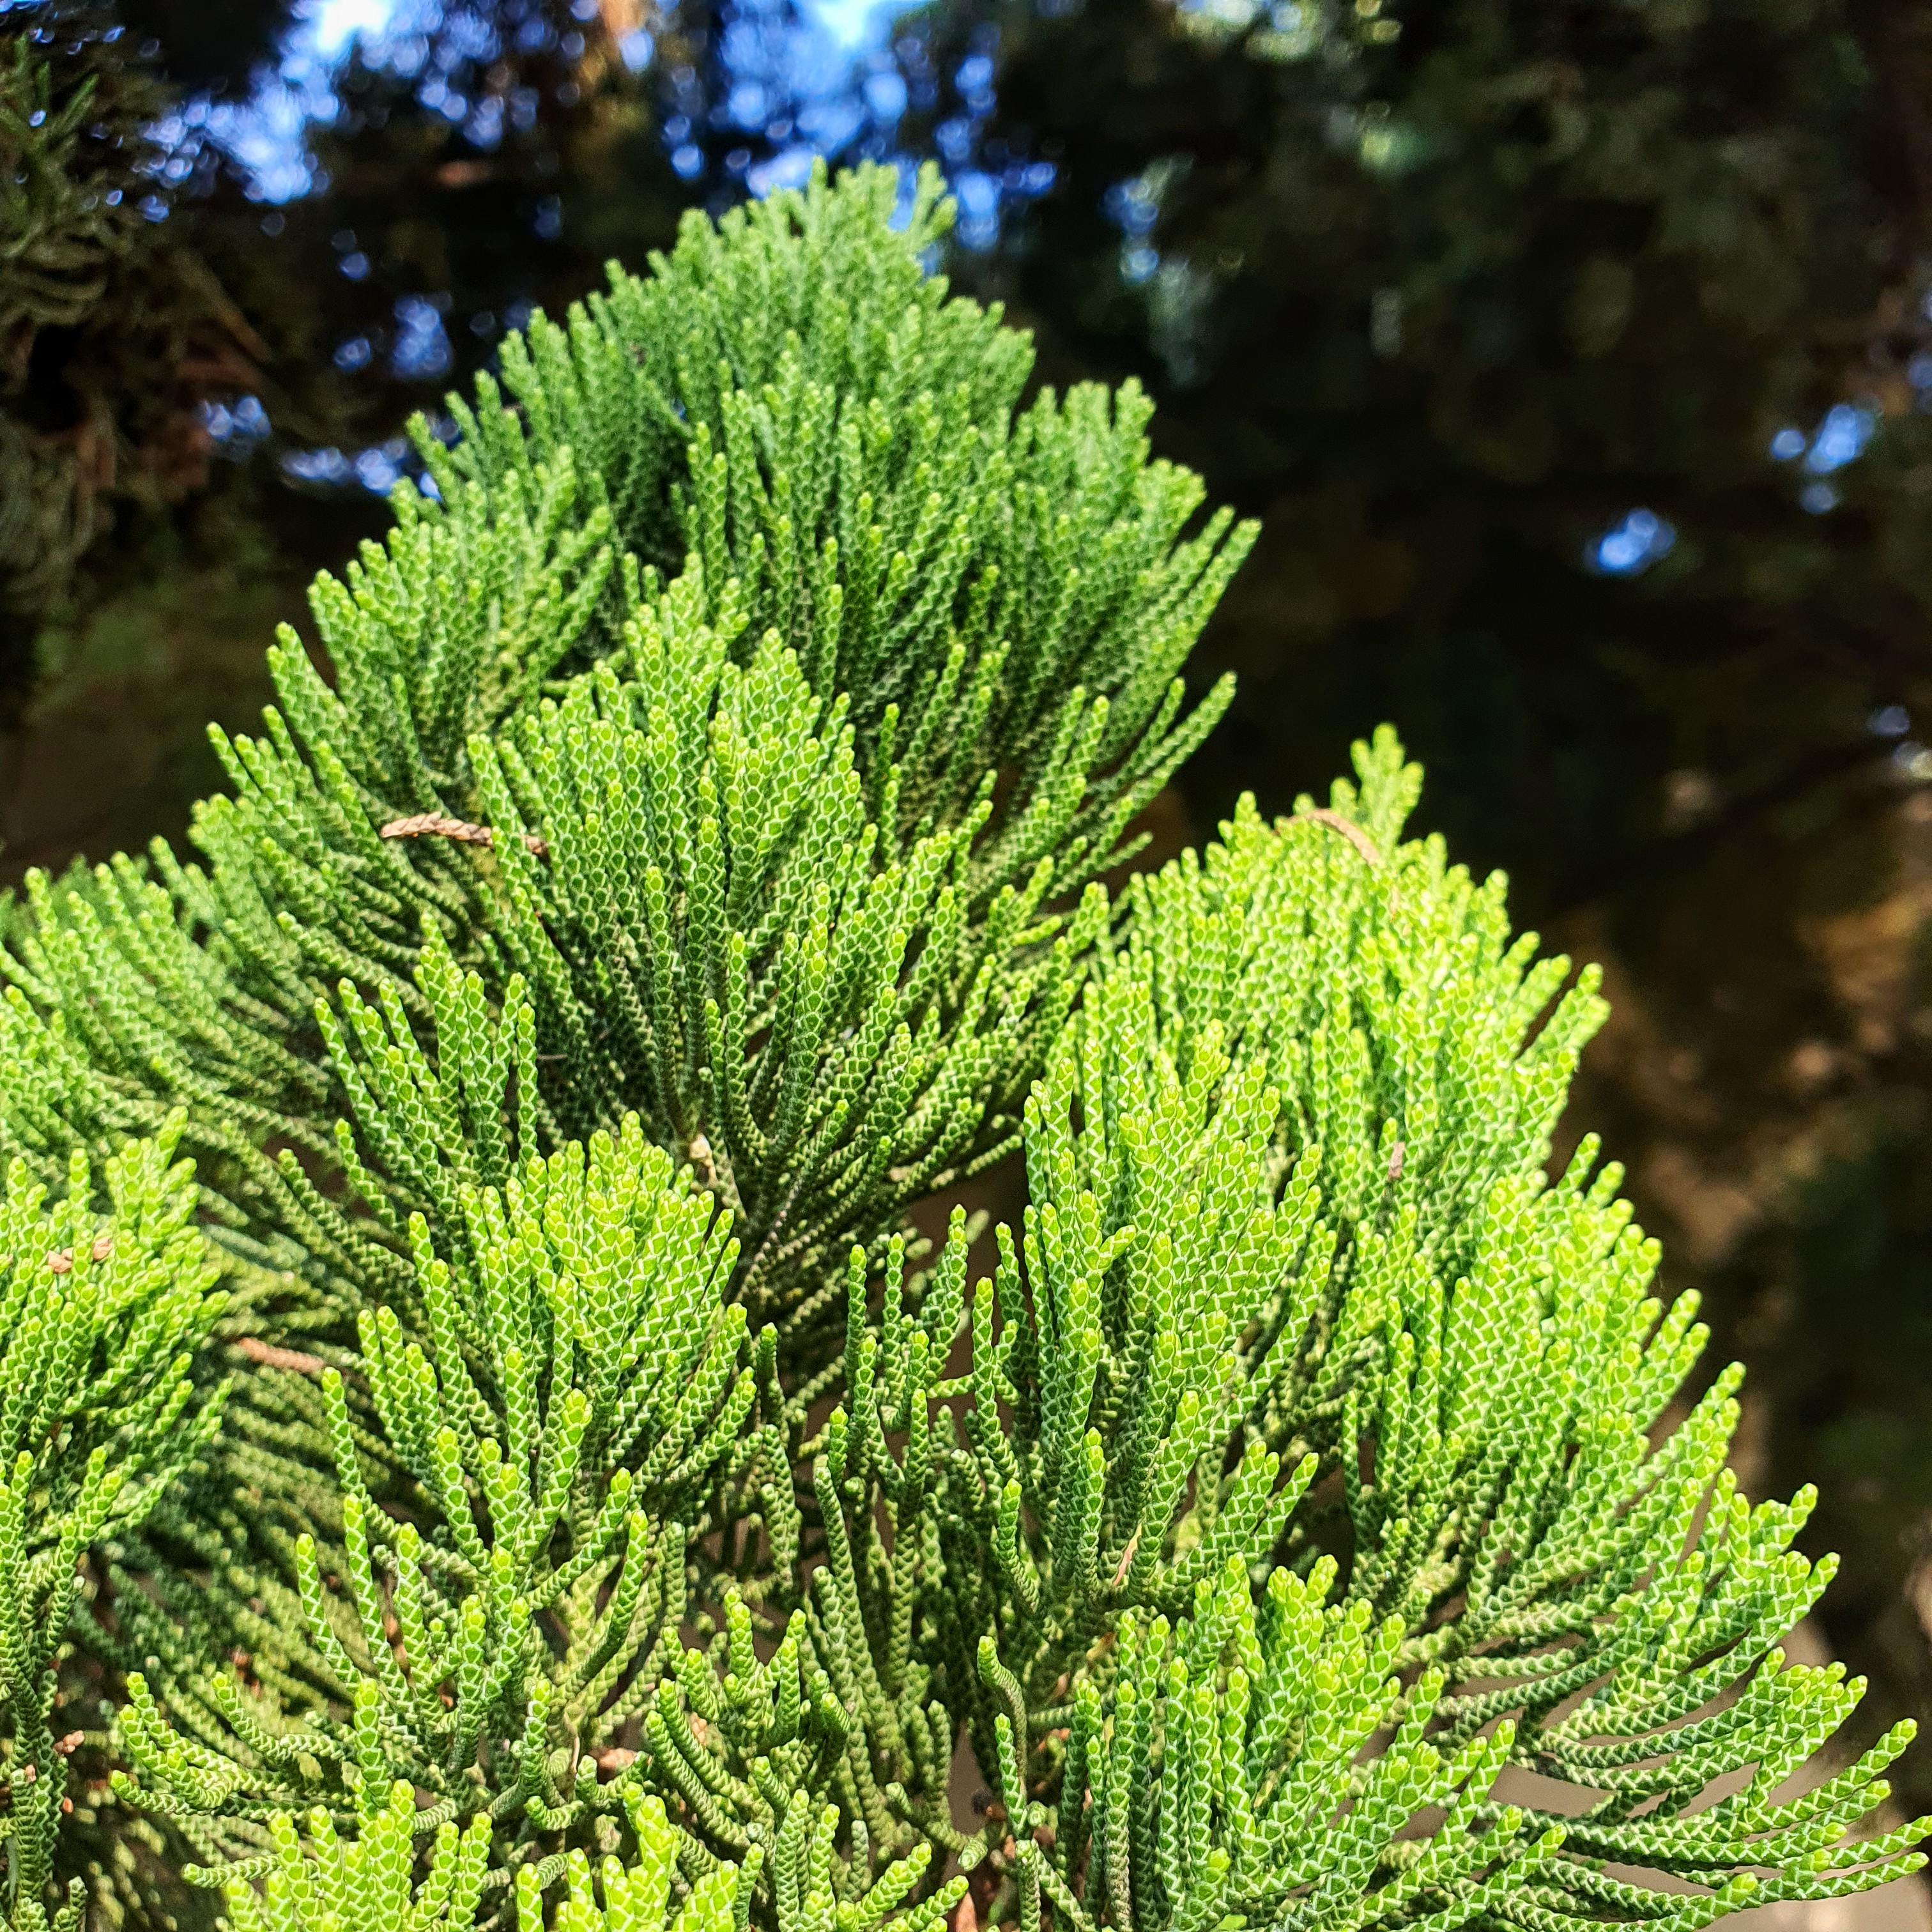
(689, 867)
(98, 1417)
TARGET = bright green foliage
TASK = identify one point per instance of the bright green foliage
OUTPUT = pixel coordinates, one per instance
(748, 1752)
(1223, 1133)
(864, 1631)
(725, 950)
(365, 1882)
(580, 988)
(1262, 1718)
(99, 1316)
(1127, 1359)
(1416, 1039)
(1050, 649)
(582, 1396)
(327, 1885)
(299, 889)
(1200, 1328)
(303, 920)
(1515, 1477)
(789, 399)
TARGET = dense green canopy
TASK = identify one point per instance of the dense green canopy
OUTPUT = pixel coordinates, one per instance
(1442, 296)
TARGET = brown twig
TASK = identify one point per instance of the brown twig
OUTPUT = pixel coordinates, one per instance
(271, 1356)
(435, 825)
(1348, 829)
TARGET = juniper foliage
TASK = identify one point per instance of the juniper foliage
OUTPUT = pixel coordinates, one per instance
(100, 1316)
(690, 868)
(326, 1881)
(547, 1454)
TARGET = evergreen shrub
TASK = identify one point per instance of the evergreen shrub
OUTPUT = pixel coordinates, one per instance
(587, 1493)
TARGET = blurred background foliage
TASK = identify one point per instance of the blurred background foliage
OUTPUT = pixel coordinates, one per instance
(1575, 353)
